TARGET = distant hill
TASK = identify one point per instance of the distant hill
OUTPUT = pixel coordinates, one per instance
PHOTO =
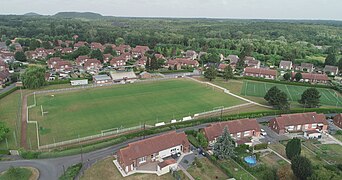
(87, 15)
(32, 14)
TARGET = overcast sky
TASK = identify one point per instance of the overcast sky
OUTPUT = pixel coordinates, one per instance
(255, 9)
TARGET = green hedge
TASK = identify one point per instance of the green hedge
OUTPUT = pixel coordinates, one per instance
(65, 81)
(2, 95)
(71, 172)
(4, 152)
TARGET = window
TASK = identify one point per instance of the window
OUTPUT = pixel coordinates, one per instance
(238, 135)
(306, 126)
(142, 159)
(298, 127)
(246, 133)
(314, 125)
(290, 128)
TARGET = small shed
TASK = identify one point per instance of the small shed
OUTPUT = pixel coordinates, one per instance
(79, 82)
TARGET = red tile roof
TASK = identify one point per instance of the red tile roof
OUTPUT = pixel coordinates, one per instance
(299, 119)
(261, 71)
(311, 76)
(151, 145)
(4, 74)
(215, 130)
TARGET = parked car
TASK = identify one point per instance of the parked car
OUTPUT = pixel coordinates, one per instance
(263, 132)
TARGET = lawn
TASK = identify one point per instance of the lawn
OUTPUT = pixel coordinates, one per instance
(208, 171)
(10, 114)
(331, 153)
(259, 89)
(88, 111)
(106, 170)
(17, 173)
(236, 170)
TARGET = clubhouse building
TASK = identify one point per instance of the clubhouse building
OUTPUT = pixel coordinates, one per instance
(155, 155)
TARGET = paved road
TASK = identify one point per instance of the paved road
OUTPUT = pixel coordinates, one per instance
(7, 88)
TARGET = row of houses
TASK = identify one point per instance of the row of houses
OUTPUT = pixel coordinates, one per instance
(4, 72)
(158, 151)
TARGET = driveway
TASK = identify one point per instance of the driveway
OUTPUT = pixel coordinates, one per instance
(271, 136)
(190, 158)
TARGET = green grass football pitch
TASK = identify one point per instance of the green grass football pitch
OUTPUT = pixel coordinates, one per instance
(88, 111)
(259, 89)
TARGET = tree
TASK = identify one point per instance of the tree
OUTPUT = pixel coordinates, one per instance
(34, 77)
(298, 76)
(81, 51)
(119, 41)
(310, 98)
(97, 54)
(228, 73)
(330, 59)
(108, 50)
(12, 48)
(301, 167)
(224, 146)
(293, 148)
(8, 42)
(287, 76)
(46, 45)
(339, 64)
(210, 73)
(3, 131)
(202, 140)
(20, 56)
(277, 98)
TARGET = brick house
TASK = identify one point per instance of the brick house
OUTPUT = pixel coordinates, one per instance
(107, 57)
(313, 78)
(3, 65)
(286, 65)
(31, 54)
(331, 70)
(151, 151)
(300, 122)
(240, 130)
(117, 61)
(80, 60)
(338, 120)
(141, 62)
(53, 61)
(66, 50)
(260, 72)
(139, 51)
(306, 67)
(182, 62)
(221, 67)
(92, 64)
(4, 76)
(96, 45)
(252, 62)
(159, 56)
(79, 44)
(41, 52)
(63, 66)
(122, 49)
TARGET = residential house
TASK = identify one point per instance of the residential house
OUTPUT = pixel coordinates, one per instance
(139, 51)
(306, 67)
(191, 54)
(53, 61)
(41, 52)
(260, 72)
(221, 67)
(102, 79)
(253, 63)
(92, 65)
(241, 130)
(96, 45)
(58, 48)
(7, 56)
(3, 65)
(300, 122)
(338, 120)
(63, 66)
(233, 59)
(159, 56)
(331, 70)
(123, 76)
(4, 76)
(118, 61)
(127, 56)
(286, 65)
(17, 47)
(141, 62)
(313, 78)
(122, 49)
(175, 65)
(182, 62)
(66, 50)
(80, 60)
(79, 44)
(107, 58)
(153, 151)
(31, 54)
(50, 51)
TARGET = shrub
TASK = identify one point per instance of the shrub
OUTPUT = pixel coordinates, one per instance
(29, 154)
(293, 148)
(71, 172)
(260, 146)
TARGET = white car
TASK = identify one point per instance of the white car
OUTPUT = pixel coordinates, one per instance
(263, 132)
